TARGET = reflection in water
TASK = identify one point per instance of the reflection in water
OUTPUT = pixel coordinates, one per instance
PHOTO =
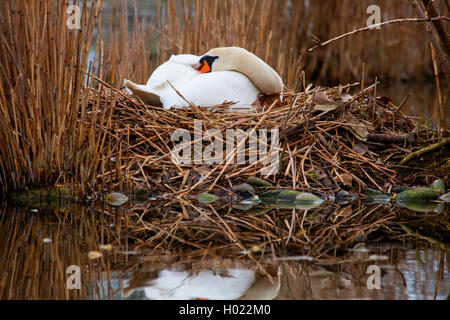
(227, 284)
(135, 268)
(402, 277)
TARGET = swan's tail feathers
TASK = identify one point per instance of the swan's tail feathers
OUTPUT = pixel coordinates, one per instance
(142, 92)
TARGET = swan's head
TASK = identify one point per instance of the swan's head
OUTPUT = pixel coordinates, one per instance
(221, 59)
(205, 64)
(238, 59)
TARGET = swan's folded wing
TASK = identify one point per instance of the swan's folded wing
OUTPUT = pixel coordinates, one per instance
(170, 71)
(187, 59)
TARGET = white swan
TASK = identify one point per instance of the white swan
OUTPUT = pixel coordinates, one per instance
(222, 74)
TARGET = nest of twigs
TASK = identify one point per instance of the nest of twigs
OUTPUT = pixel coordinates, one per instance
(328, 140)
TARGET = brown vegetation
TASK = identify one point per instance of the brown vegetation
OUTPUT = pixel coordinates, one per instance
(55, 127)
(327, 144)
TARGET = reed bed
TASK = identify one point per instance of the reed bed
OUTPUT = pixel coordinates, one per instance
(48, 133)
(42, 134)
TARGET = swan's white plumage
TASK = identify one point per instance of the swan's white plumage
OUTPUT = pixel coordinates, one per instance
(206, 89)
(177, 70)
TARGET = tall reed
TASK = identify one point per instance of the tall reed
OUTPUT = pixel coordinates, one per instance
(42, 63)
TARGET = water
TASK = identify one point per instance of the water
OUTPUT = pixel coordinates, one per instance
(422, 102)
(142, 261)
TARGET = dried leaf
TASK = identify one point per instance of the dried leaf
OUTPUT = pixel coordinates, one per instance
(328, 107)
(323, 103)
(345, 97)
(323, 176)
(360, 148)
(202, 171)
(320, 97)
(346, 212)
(323, 140)
(357, 127)
(346, 178)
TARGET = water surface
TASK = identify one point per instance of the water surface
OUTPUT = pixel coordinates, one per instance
(40, 243)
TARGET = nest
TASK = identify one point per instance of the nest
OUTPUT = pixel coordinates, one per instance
(328, 140)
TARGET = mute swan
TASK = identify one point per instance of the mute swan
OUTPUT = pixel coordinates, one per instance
(222, 74)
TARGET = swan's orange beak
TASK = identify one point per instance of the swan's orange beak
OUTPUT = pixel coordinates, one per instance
(203, 67)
